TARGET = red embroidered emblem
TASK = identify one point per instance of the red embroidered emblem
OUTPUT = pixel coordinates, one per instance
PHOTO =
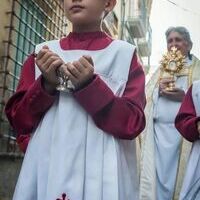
(64, 197)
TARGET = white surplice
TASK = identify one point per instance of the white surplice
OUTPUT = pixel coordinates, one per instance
(191, 184)
(69, 154)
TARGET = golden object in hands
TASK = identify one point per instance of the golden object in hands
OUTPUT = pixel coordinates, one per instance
(171, 64)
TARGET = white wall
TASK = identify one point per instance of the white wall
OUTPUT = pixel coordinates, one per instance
(165, 14)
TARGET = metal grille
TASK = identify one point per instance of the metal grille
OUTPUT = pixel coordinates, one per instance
(31, 22)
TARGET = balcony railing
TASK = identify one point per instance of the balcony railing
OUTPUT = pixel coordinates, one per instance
(145, 44)
(137, 19)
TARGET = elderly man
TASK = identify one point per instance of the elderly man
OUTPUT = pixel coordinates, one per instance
(161, 144)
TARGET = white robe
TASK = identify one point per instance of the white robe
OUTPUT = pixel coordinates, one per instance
(148, 177)
(69, 154)
(167, 141)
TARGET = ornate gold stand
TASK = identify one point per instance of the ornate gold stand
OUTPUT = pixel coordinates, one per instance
(171, 65)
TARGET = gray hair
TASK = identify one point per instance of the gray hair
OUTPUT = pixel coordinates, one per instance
(182, 31)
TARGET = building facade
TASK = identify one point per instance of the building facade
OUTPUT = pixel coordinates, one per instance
(136, 28)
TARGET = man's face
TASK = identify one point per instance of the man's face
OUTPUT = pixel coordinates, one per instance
(175, 39)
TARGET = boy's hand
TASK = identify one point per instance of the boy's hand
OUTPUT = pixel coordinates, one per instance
(48, 62)
(79, 72)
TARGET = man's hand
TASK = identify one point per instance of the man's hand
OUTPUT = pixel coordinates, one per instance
(176, 94)
(48, 62)
(80, 72)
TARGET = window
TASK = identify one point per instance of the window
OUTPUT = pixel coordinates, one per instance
(31, 22)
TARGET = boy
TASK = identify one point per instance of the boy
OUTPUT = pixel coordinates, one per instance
(188, 124)
(81, 143)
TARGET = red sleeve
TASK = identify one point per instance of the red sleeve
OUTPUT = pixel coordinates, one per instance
(30, 102)
(186, 119)
(22, 141)
(123, 117)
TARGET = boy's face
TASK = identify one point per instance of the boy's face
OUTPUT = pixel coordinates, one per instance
(87, 12)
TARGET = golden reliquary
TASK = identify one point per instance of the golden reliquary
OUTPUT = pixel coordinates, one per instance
(171, 64)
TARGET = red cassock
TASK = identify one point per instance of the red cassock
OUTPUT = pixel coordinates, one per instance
(122, 117)
(186, 120)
